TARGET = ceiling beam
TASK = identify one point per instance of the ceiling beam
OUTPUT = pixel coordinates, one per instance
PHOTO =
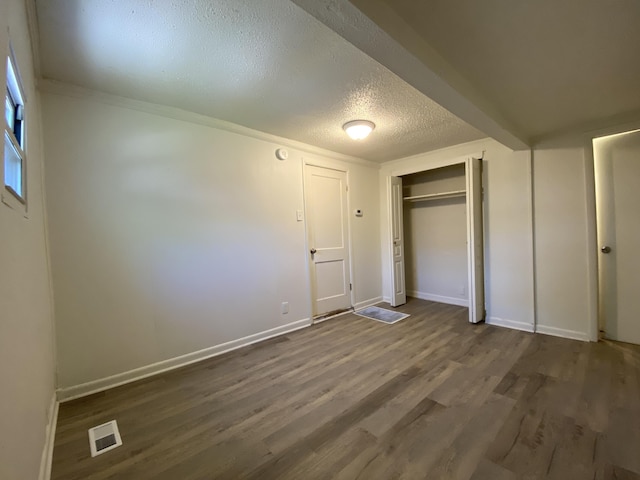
(375, 29)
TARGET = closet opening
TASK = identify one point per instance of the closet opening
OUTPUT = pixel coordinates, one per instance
(437, 239)
(435, 235)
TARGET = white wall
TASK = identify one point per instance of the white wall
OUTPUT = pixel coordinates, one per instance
(26, 330)
(509, 269)
(564, 238)
(558, 253)
(170, 236)
(509, 287)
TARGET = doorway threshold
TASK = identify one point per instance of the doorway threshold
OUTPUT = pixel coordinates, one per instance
(333, 314)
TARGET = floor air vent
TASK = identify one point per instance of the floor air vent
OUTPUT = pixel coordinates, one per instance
(104, 437)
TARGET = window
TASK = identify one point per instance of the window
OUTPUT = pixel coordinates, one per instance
(14, 135)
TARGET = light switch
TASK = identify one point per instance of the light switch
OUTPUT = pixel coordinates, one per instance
(299, 216)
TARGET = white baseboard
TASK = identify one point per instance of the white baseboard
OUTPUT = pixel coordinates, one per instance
(462, 302)
(514, 324)
(561, 332)
(50, 436)
(386, 299)
(84, 389)
(367, 303)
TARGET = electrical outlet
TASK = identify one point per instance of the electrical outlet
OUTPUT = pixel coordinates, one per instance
(285, 307)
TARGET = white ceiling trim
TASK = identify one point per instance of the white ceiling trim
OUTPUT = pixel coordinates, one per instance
(358, 29)
(601, 127)
(34, 36)
(73, 91)
(475, 148)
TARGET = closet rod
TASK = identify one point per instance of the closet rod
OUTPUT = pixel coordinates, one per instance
(435, 196)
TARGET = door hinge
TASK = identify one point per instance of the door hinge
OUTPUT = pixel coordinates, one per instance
(350, 287)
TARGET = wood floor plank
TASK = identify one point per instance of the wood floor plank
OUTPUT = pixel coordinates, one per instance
(431, 396)
(460, 459)
(487, 470)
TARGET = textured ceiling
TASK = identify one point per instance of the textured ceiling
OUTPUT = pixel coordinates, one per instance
(265, 65)
(547, 65)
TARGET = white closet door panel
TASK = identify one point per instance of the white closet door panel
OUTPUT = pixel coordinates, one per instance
(475, 240)
(398, 294)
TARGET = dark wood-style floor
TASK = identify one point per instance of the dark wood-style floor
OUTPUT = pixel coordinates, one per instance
(429, 397)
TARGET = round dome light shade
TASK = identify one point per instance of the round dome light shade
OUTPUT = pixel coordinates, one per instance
(359, 129)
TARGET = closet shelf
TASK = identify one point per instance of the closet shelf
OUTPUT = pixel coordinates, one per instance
(436, 196)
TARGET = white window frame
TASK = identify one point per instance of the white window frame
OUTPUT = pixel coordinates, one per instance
(13, 88)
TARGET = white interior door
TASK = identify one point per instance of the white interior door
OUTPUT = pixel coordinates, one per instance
(617, 173)
(328, 235)
(475, 244)
(398, 294)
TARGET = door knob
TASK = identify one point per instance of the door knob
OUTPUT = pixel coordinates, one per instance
(313, 251)
(605, 249)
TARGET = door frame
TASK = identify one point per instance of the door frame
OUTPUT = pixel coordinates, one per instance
(597, 323)
(415, 168)
(330, 165)
(585, 139)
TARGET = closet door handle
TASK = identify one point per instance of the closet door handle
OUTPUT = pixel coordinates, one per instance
(313, 251)
(606, 249)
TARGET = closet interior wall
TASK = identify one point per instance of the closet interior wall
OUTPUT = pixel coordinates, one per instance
(435, 233)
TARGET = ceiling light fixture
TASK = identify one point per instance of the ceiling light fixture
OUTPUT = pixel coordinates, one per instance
(359, 129)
